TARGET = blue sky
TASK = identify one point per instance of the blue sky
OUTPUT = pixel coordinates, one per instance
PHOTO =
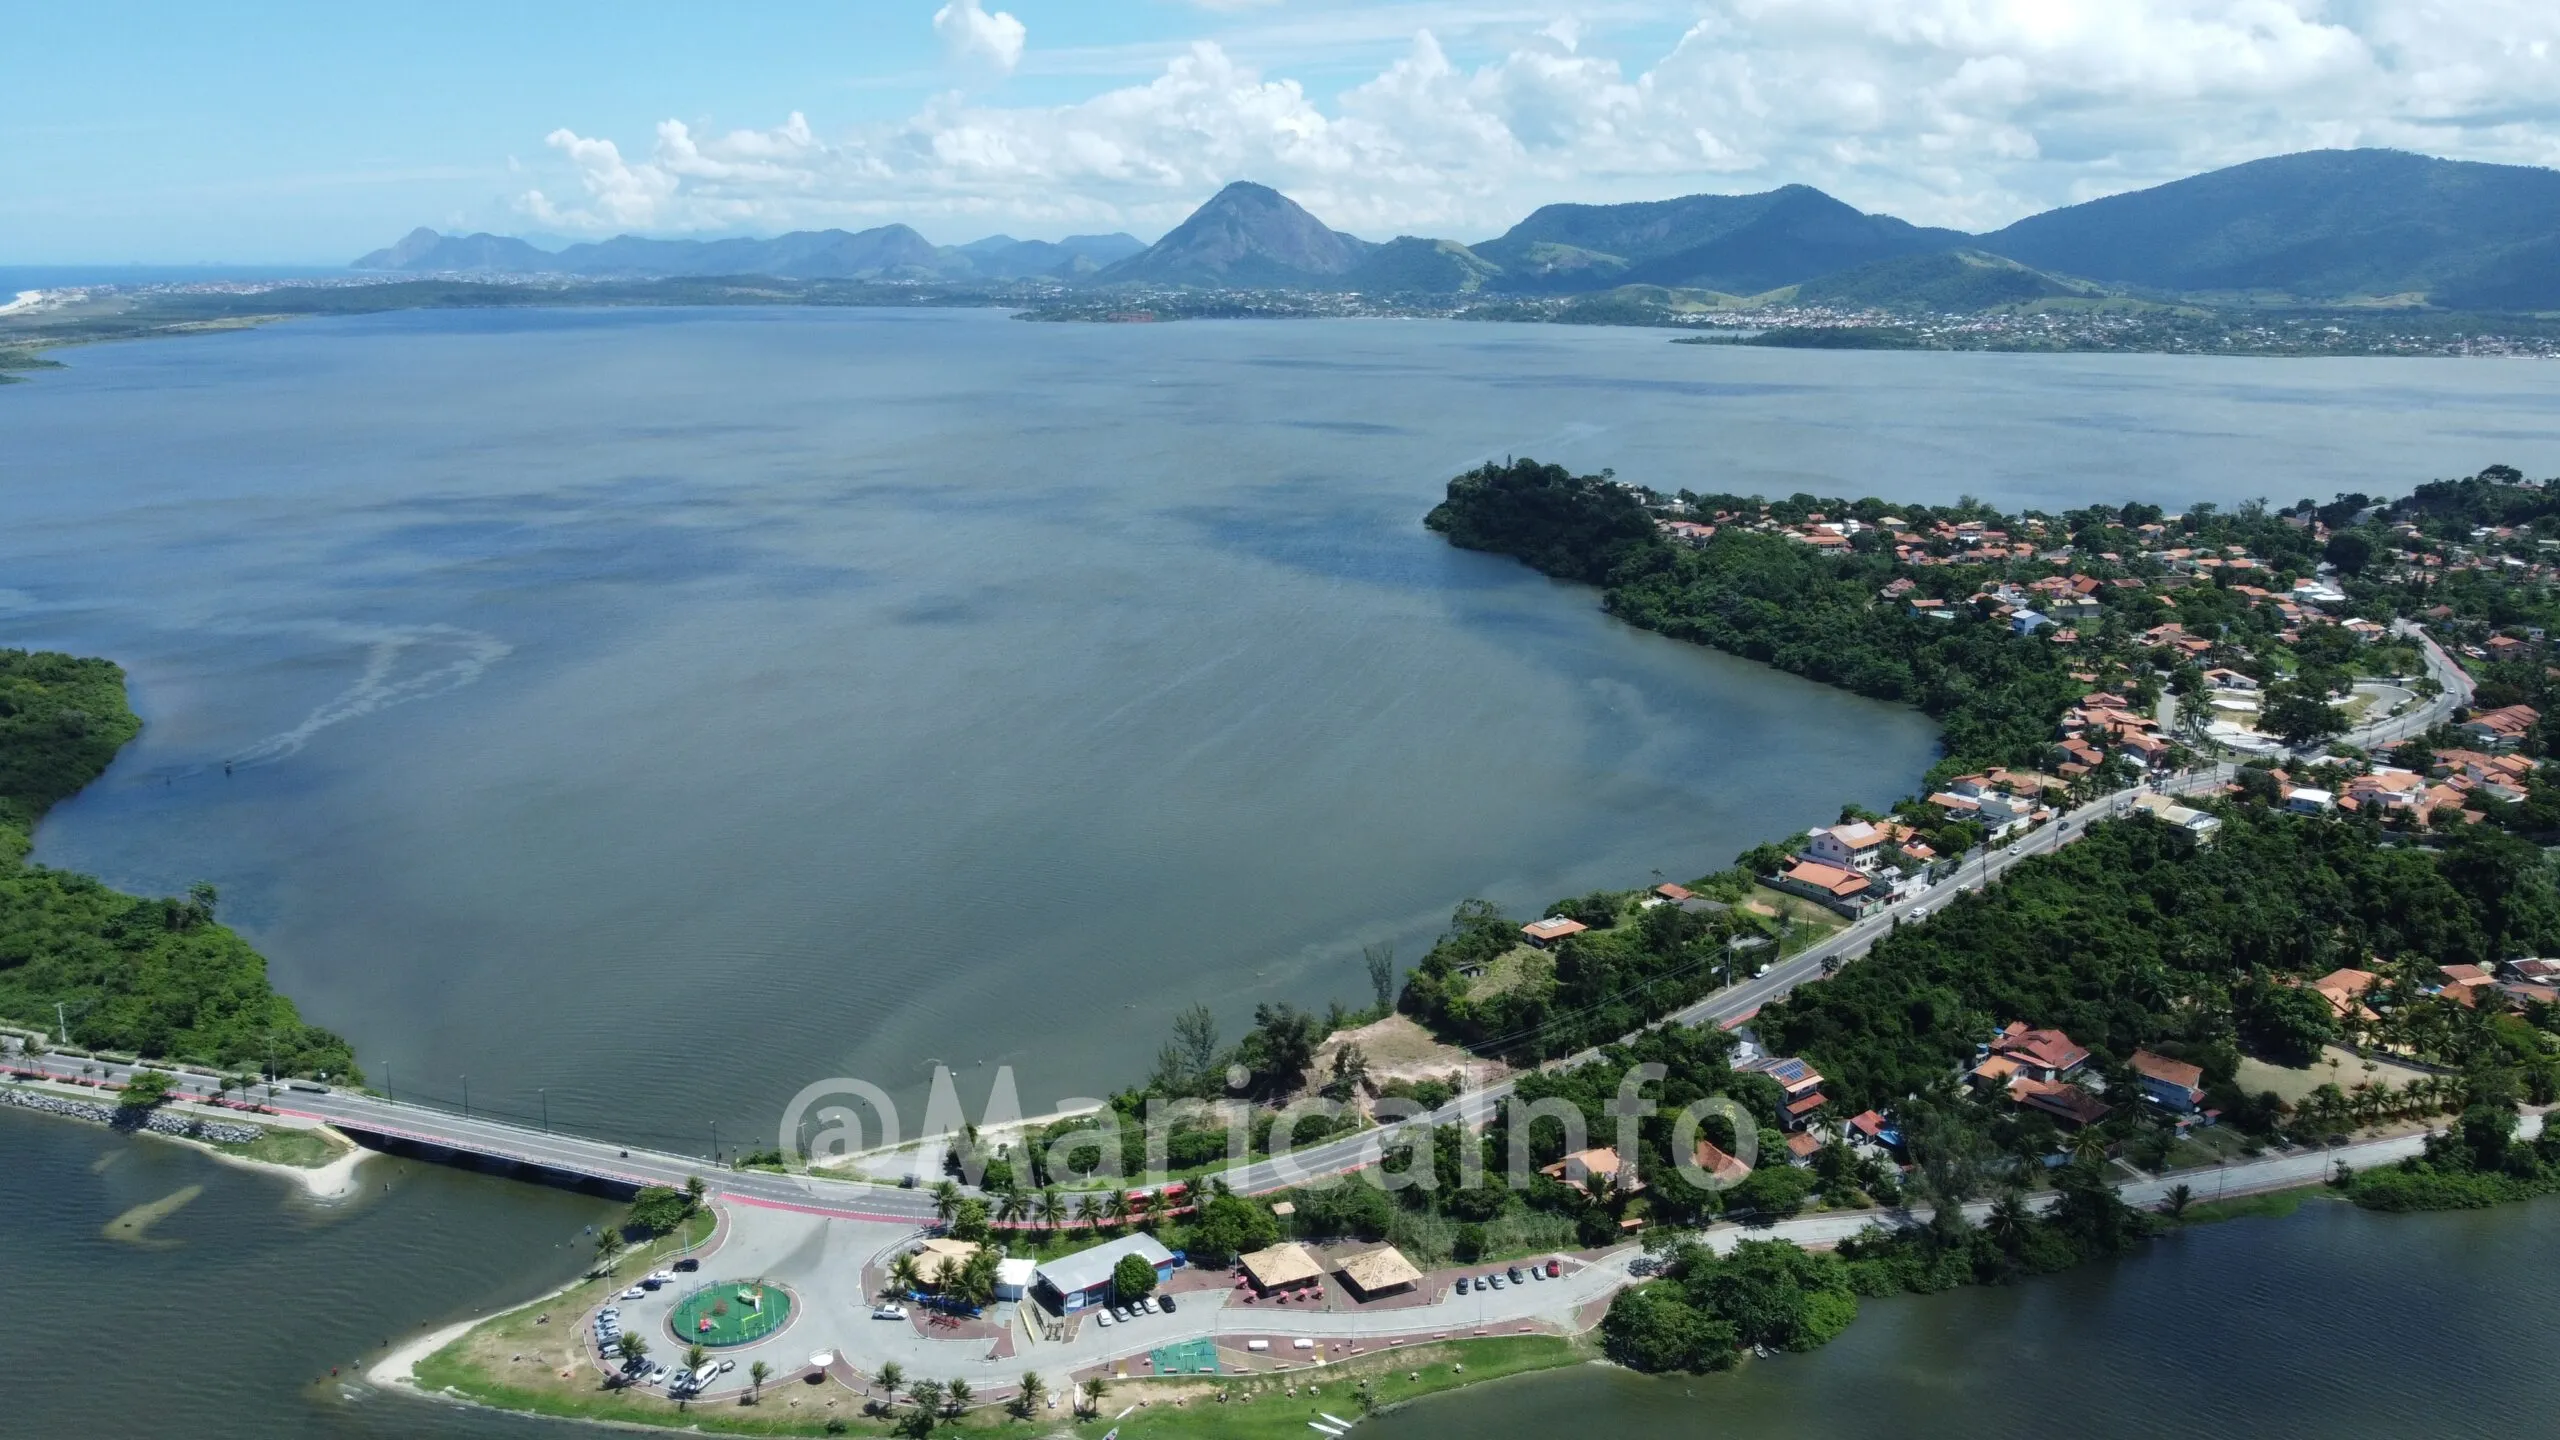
(286, 132)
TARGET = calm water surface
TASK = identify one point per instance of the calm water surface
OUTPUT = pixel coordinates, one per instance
(664, 710)
(2332, 1323)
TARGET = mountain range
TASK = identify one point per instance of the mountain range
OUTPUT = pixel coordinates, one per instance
(2323, 225)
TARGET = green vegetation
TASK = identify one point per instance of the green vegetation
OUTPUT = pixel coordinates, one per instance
(1771, 1293)
(278, 1145)
(658, 1210)
(1133, 1278)
(1257, 1407)
(156, 978)
(145, 1090)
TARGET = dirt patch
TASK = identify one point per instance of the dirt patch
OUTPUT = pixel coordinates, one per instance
(2337, 1066)
(1399, 1049)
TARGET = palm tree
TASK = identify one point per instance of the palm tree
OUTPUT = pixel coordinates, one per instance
(905, 1276)
(1151, 1208)
(956, 1396)
(1013, 1206)
(694, 1355)
(946, 1200)
(1052, 1208)
(2087, 1144)
(892, 1376)
(2009, 1219)
(1088, 1211)
(2179, 1198)
(927, 1397)
(1027, 1403)
(1116, 1209)
(757, 1374)
(1093, 1395)
(609, 1247)
(630, 1346)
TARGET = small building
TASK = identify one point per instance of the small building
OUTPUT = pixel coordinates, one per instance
(1548, 931)
(1383, 1271)
(2172, 1085)
(1577, 1169)
(940, 1254)
(1858, 846)
(2344, 990)
(1870, 1127)
(2305, 800)
(1075, 1282)
(1286, 1266)
(2069, 1104)
(1839, 889)
(1014, 1277)
(2036, 1054)
(1720, 1168)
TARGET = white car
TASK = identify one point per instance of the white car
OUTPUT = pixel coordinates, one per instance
(726, 1366)
(888, 1312)
(634, 1293)
(663, 1277)
(1103, 1318)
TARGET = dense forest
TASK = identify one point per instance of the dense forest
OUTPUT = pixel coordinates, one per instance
(156, 977)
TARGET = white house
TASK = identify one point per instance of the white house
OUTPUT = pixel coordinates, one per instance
(1858, 846)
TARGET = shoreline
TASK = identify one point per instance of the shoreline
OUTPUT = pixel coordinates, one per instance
(322, 1184)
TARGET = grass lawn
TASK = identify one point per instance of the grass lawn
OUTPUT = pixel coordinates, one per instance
(515, 1360)
(309, 1149)
(1259, 1408)
(2273, 1205)
(733, 1319)
(1813, 922)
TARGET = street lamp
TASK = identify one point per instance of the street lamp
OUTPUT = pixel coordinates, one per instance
(466, 1097)
(545, 1092)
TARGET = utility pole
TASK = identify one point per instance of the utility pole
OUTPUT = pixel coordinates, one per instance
(715, 1142)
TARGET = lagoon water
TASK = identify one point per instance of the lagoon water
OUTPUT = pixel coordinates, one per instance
(644, 713)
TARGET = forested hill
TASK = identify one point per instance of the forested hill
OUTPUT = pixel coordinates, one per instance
(1769, 598)
(156, 977)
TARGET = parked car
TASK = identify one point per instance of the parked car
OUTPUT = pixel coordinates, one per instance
(1103, 1319)
(634, 1293)
(1462, 1284)
(1494, 1280)
(688, 1264)
(1514, 1273)
(888, 1312)
(1167, 1303)
(1554, 1268)
(1147, 1303)
(663, 1277)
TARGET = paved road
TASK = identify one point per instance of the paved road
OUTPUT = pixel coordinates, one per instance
(2456, 691)
(605, 1160)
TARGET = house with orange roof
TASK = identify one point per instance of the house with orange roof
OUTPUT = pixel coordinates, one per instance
(2345, 988)
(1841, 889)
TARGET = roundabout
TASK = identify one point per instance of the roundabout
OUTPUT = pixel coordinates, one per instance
(730, 1313)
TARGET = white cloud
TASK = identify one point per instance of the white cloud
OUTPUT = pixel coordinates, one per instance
(1958, 112)
(971, 33)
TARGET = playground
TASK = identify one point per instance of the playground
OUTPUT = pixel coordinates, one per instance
(733, 1312)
